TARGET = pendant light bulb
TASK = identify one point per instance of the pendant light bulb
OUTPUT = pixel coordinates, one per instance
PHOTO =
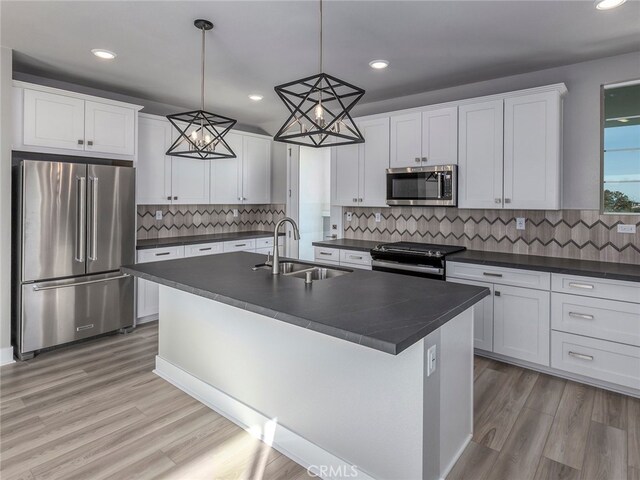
(194, 135)
(319, 112)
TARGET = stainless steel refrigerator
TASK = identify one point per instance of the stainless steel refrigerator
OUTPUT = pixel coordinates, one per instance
(76, 227)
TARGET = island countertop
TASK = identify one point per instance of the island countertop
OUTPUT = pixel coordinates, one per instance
(383, 311)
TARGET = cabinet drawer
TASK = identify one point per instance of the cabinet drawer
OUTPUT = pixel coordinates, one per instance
(595, 317)
(322, 254)
(596, 287)
(264, 242)
(203, 249)
(159, 254)
(354, 257)
(499, 275)
(240, 245)
(598, 359)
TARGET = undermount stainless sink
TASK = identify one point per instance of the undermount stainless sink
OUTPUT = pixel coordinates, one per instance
(300, 270)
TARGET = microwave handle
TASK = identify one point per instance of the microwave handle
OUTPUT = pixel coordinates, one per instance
(439, 177)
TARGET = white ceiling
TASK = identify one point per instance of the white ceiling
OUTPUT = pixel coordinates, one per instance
(256, 45)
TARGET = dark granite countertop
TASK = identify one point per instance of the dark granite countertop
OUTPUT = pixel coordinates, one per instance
(384, 311)
(348, 244)
(568, 266)
(195, 239)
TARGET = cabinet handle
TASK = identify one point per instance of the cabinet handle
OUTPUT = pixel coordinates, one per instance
(359, 200)
(424, 159)
(417, 159)
(498, 200)
(583, 316)
(239, 198)
(241, 245)
(84, 327)
(326, 253)
(585, 286)
(90, 143)
(489, 274)
(162, 254)
(175, 198)
(497, 293)
(355, 257)
(507, 200)
(205, 249)
(80, 142)
(581, 356)
(169, 197)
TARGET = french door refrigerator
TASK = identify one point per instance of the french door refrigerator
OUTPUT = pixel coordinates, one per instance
(76, 227)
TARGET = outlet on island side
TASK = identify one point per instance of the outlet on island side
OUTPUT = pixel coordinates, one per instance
(158, 214)
(520, 222)
(431, 360)
(349, 216)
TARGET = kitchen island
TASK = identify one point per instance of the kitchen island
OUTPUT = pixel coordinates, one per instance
(335, 374)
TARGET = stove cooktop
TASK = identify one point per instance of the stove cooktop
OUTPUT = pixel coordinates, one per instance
(417, 249)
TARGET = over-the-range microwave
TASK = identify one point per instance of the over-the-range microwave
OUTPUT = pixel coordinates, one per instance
(435, 185)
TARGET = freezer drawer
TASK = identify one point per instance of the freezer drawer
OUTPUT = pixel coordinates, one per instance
(62, 311)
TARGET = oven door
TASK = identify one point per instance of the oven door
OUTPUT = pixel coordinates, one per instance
(426, 271)
(422, 186)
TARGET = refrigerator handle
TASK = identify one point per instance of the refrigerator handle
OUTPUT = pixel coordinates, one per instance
(81, 221)
(93, 241)
(38, 288)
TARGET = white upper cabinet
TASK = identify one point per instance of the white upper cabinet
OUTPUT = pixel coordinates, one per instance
(480, 155)
(440, 136)
(423, 138)
(532, 151)
(153, 169)
(55, 121)
(50, 120)
(360, 170)
(109, 128)
(189, 181)
(374, 161)
(256, 170)
(406, 140)
(226, 174)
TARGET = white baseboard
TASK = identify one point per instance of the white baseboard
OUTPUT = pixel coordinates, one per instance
(456, 457)
(287, 442)
(6, 355)
(147, 319)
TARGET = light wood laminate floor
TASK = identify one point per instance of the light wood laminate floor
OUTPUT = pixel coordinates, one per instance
(96, 410)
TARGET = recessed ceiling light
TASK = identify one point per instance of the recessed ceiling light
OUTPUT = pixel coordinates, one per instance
(608, 4)
(378, 64)
(104, 54)
(255, 97)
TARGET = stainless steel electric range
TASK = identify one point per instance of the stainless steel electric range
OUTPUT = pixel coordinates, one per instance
(412, 258)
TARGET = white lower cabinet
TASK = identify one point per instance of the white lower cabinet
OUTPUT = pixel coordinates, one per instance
(147, 292)
(521, 323)
(343, 257)
(202, 249)
(482, 316)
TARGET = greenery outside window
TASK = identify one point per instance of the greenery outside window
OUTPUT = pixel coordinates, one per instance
(621, 148)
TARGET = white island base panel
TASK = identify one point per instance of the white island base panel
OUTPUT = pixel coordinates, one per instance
(336, 407)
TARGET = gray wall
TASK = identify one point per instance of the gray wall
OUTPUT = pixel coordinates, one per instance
(5, 205)
(581, 114)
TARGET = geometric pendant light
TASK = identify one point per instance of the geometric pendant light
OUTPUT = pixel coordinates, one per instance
(319, 109)
(201, 133)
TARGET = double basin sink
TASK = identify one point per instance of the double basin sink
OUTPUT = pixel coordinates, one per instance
(305, 271)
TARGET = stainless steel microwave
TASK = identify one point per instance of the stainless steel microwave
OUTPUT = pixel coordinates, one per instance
(436, 185)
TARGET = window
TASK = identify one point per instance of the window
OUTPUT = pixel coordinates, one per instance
(621, 148)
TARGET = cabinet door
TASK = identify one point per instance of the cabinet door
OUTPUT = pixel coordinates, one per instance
(226, 174)
(189, 181)
(51, 120)
(482, 317)
(153, 175)
(109, 128)
(440, 136)
(374, 161)
(406, 140)
(532, 151)
(256, 170)
(521, 323)
(480, 155)
(346, 160)
(147, 292)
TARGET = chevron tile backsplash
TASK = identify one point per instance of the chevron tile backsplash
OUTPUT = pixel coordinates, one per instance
(178, 220)
(583, 234)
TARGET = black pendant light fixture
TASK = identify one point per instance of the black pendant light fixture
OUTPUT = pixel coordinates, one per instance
(201, 133)
(319, 109)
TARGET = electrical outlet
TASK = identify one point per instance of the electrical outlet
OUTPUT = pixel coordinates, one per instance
(349, 216)
(158, 214)
(626, 228)
(235, 212)
(431, 360)
(520, 223)
(378, 217)
(334, 226)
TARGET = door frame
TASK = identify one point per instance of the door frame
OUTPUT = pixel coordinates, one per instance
(293, 198)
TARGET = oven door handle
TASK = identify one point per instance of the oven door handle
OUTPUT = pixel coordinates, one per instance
(407, 267)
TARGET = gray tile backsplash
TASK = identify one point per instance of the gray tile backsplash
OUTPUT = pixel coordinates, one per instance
(583, 234)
